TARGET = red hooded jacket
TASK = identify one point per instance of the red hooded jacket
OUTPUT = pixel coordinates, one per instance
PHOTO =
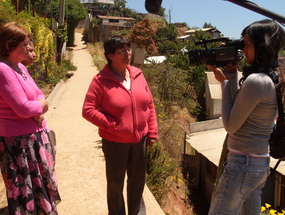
(121, 115)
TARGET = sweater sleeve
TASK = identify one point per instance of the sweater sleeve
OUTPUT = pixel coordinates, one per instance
(91, 107)
(234, 114)
(14, 93)
(233, 77)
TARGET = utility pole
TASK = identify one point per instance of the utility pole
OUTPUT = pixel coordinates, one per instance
(61, 12)
(29, 6)
(169, 16)
(17, 6)
(59, 40)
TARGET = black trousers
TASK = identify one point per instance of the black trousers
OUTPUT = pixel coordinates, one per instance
(122, 158)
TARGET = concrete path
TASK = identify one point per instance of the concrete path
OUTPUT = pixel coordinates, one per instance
(80, 165)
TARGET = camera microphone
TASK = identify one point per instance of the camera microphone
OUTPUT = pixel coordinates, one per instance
(153, 6)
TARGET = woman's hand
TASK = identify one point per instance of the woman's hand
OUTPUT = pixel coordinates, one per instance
(231, 68)
(150, 142)
(222, 75)
(219, 75)
(44, 104)
(39, 120)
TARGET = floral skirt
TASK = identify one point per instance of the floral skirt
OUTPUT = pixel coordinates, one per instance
(27, 166)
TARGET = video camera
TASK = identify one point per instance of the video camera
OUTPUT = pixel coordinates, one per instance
(230, 52)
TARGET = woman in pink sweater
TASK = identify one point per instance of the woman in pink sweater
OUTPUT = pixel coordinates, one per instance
(120, 103)
(26, 160)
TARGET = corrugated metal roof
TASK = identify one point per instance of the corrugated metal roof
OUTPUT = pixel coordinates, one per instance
(183, 37)
(203, 29)
(155, 59)
(215, 91)
(115, 17)
(200, 141)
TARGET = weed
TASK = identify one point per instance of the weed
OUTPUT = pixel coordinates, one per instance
(267, 210)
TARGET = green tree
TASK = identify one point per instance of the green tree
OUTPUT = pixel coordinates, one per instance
(161, 12)
(39, 6)
(74, 12)
(166, 39)
(120, 4)
(208, 25)
(7, 11)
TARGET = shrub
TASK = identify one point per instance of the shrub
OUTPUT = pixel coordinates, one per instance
(159, 170)
(97, 52)
(44, 70)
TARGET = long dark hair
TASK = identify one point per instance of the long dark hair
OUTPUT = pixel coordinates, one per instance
(268, 39)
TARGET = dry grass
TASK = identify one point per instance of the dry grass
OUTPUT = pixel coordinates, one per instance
(97, 52)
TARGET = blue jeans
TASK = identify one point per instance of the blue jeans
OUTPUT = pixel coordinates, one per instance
(239, 188)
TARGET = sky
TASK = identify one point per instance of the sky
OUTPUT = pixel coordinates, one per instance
(229, 18)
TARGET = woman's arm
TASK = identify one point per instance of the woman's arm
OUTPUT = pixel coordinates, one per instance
(13, 94)
(91, 107)
(235, 114)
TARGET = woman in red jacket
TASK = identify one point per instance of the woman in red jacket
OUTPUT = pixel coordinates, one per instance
(120, 103)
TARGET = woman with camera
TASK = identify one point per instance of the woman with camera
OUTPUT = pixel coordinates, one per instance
(248, 118)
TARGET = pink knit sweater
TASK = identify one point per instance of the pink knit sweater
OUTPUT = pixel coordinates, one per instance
(121, 115)
(18, 102)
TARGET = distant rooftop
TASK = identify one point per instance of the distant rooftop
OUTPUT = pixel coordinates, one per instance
(115, 17)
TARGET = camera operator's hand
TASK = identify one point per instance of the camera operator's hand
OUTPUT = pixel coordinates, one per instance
(230, 68)
(219, 74)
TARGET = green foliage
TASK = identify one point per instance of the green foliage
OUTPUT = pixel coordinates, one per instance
(95, 22)
(161, 12)
(38, 5)
(122, 32)
(166, 40)
(97, 52)
(170, 85)
(120, 3)
(167, 47)
(208, 25)
(167, 33)
(56, 72)
(99, 62)
(61, 32)
(7, 11)
(44, 70)
(74, 12)
(159, 169)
